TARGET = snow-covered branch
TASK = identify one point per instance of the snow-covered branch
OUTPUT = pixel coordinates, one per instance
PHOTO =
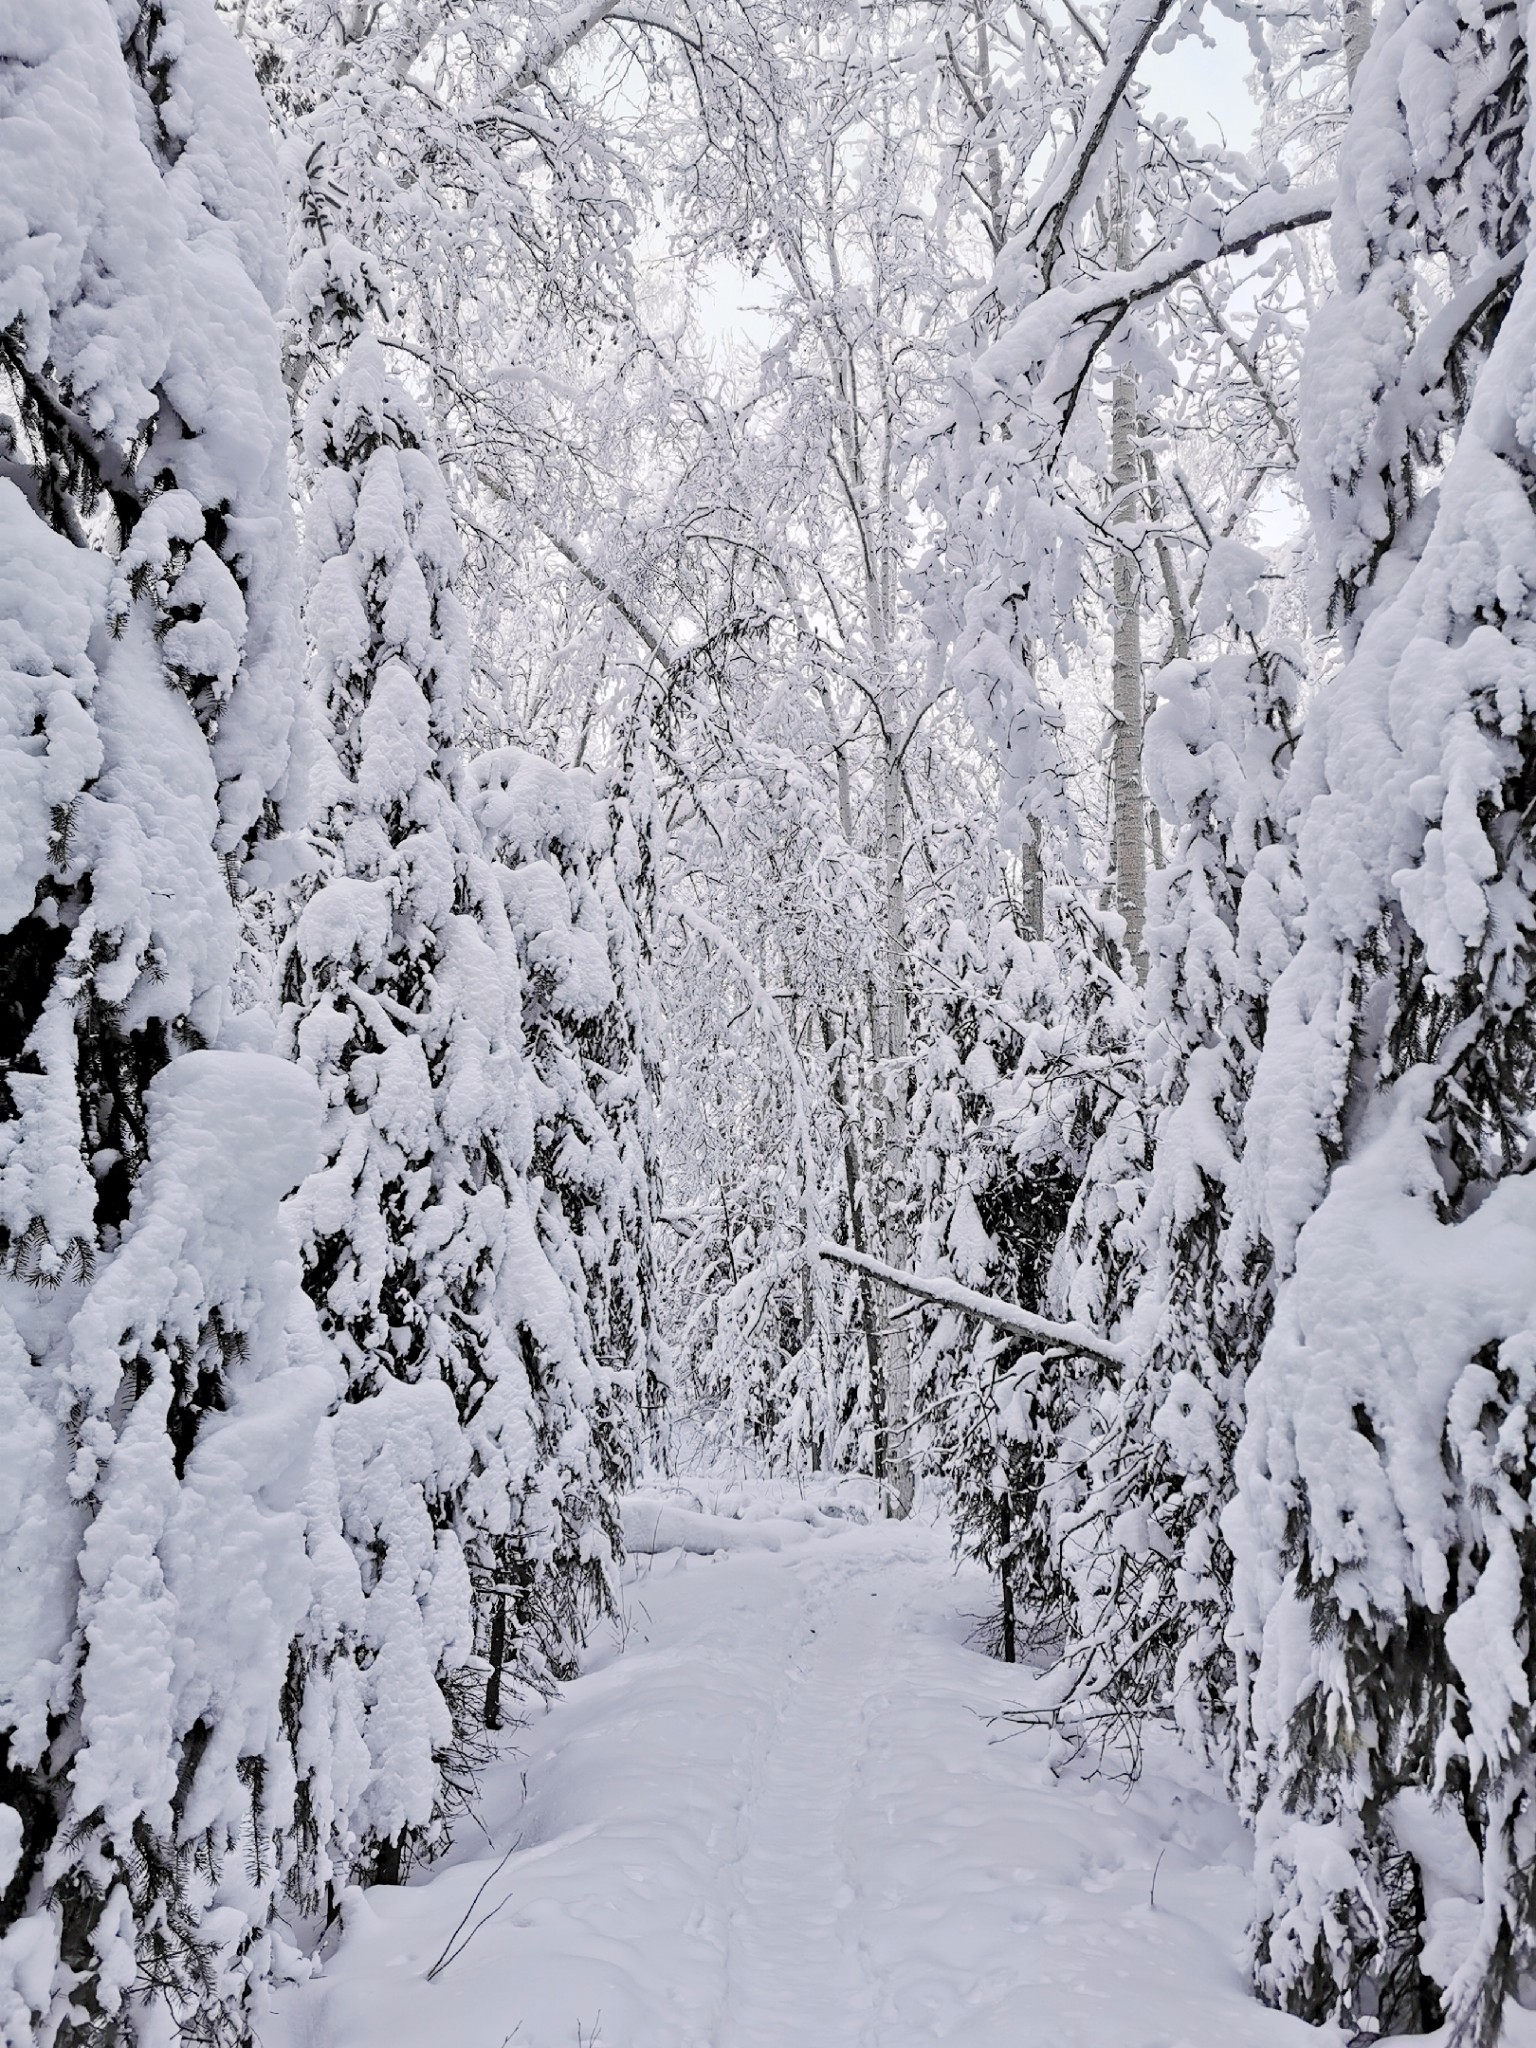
(950, 1294)
(1051, 346)
(1135, 27)
(645, 633)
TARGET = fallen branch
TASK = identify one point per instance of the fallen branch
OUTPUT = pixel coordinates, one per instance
(950, 1294)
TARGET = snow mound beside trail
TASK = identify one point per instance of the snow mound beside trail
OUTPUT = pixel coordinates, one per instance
(655, 1523)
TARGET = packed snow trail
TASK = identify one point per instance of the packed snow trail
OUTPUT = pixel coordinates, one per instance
(784, 1815)
(793, 1968)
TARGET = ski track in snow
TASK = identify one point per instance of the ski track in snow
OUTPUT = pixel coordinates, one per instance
(786, 1816)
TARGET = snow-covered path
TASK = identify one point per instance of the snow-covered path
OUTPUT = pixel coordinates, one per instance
(794, 1969)
(785, 1817)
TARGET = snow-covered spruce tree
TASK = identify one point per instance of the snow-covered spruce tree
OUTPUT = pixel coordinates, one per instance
(1383, 1523)
(430, 201)
(627, 1055)
(1096, 1263)
(162, 1378)
(403, 986)
(1001, 1135)
(1052, 547)
(400, 997)
(1030, 1060)
(575, 860)
(1222, 921)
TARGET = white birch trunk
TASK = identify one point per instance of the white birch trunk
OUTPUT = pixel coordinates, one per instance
(1128, 805)
(900, 1484)
(1357, 36)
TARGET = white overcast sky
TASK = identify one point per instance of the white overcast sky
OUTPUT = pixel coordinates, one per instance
(1209, 87)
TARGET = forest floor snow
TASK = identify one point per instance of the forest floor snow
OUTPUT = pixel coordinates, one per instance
(779, 1810)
